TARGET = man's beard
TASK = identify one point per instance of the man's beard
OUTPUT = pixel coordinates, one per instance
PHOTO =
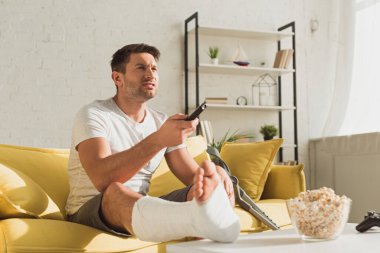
(139, 92)
(145, 94)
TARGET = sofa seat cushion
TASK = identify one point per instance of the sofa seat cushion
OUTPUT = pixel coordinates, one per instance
(275, 208)
(36, 235)
(41, 235)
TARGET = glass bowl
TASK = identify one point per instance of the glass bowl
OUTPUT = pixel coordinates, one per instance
(319, 219)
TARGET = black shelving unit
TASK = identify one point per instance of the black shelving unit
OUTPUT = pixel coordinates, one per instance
(290, 26)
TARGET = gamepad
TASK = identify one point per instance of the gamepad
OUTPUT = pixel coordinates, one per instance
(370, 220)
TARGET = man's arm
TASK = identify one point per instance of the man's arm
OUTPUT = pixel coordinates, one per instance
(182, 165)
(103, 168)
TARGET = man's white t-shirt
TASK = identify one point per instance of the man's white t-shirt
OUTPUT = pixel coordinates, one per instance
(103, 118)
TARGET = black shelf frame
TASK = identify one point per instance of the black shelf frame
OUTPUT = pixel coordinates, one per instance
(194, 18)
(187, 21)
(292, 26)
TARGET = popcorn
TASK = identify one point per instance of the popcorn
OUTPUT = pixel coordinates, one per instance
(319, 213)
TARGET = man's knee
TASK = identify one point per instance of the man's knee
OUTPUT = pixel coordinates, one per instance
(117, 193)
(109, 199)
(117, 204)
(112, 190)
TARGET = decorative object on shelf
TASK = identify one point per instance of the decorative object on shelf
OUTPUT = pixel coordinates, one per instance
(236, 136)
(268, 131)
(264, 91)
(213, 53)
(242, 63)
(240, 57)
(241, 100)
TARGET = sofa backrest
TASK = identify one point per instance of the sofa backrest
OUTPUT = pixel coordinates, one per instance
(46, 167)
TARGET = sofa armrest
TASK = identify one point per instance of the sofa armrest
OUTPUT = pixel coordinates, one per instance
(284, 182)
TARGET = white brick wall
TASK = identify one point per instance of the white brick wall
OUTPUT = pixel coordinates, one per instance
(54, 55)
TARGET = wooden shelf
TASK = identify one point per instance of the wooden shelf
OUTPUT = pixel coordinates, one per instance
(287, 145)
(251, 107)
(248, 34)
(240, 70)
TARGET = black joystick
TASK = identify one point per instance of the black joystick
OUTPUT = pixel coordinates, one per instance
(370, 220)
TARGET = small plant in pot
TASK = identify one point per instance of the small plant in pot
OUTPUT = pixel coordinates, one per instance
(268, 131)
(213, 53)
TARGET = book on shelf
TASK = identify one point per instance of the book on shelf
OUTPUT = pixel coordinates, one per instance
(216, 100)
(206, 130)
(289, 57)
(277, 60)
(283, 58)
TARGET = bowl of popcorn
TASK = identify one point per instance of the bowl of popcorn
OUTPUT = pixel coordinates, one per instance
(319, 214)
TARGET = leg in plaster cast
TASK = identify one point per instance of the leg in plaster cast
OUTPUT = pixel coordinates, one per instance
(208, 215)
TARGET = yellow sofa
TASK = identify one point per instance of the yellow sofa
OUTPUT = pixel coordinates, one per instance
(34, 188)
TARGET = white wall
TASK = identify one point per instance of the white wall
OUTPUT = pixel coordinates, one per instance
(321, 60)
(54, 57)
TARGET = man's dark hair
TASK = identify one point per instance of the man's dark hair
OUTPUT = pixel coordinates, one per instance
(121, 57)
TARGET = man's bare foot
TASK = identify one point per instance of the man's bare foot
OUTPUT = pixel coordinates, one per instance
(206, 179)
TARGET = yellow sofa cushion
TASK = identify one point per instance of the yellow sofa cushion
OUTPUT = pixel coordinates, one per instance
(250, 163)
(21, 197)
(284, 182)
(46, 167)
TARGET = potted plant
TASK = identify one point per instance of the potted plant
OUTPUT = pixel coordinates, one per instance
(235, 136)
(213, 53)
(268, 131)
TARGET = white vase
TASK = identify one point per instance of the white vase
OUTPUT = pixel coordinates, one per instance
(214, 61)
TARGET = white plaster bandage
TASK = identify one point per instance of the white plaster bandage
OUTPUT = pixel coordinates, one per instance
(157, 220)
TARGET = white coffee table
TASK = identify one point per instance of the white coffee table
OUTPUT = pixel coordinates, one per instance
(287, 241)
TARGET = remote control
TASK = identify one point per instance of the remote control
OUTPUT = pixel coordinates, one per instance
(197, 111)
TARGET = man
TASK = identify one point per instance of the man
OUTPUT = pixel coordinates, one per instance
(116, 146)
